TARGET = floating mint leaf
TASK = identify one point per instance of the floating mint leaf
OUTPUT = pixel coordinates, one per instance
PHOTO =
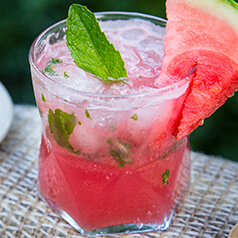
(87, 114)
(66, 75)
(134, 117)
(90, 48)
(165, 176)
(49, 68)
(53, 61)
(119, 151)
(43, 97)
(61, 126)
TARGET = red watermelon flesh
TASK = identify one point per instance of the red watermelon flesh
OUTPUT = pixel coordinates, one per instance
(197, 35)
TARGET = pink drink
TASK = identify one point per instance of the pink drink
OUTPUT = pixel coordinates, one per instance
(119, 168)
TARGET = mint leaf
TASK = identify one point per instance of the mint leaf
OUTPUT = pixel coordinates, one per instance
(119, 151)
(134, 117)
(43, 97)
(87, 114)
(53, 61)
(66, 75)
(165, 176)
(49, 68)
(90, 48)
(61, 126)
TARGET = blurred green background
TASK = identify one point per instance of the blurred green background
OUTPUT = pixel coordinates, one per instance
(21, 22)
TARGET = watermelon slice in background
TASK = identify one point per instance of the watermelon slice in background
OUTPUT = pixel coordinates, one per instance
(201, 33)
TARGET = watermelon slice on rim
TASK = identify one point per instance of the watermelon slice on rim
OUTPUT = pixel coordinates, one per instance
(201, 33)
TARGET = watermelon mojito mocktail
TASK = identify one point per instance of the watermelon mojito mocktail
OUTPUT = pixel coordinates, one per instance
(109, 159)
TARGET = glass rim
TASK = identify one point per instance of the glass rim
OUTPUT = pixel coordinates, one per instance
(99, 15)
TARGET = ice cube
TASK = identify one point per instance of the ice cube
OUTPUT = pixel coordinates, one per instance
(132, 34)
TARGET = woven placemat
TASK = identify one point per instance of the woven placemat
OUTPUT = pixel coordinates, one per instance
(210, 208)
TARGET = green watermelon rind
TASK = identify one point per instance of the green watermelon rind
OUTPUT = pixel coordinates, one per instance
(227, 10)
(232, 3)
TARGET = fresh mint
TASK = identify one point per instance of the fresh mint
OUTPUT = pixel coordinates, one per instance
(49, 68)
(90, 48)
(62, 126)
(43, 97)
(87, 114)
(66, 76)
(53, 61)
(165, 176)
(119, 151)
(134, 117)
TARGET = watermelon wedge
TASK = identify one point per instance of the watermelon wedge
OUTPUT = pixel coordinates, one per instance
(201, 33)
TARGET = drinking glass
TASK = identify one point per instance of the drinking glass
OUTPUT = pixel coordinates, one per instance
(110, 164)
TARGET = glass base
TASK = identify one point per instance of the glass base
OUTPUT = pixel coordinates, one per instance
(119, 229)
(112, 230)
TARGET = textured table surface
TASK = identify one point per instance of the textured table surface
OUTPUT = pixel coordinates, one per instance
(210, 208)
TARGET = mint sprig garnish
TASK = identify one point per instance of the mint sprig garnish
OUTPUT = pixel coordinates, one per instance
(90, 48)
(62, 126)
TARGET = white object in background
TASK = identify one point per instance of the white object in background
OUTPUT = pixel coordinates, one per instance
(6, 112)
